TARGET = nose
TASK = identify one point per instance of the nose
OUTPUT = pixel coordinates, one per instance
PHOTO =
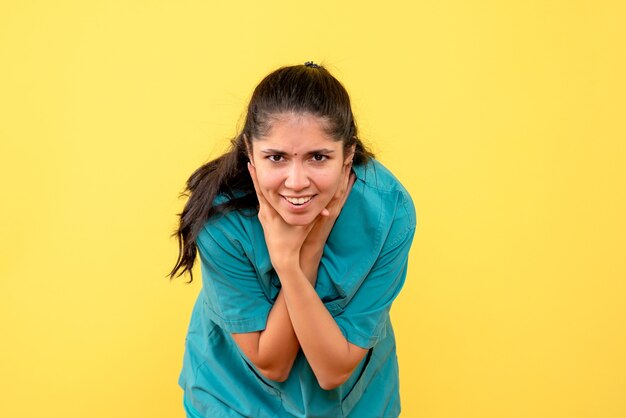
(297, 178)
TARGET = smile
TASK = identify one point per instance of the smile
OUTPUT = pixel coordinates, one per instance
(298, 200)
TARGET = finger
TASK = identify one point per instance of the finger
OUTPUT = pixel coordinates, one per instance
(264, 206)
(343, 184)
(347, 183)
(341, 190)
(309, 227)
(351, 182)
(252, 172)
(346, 178)
(257, 189)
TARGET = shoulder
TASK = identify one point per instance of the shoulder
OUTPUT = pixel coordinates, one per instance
(224, 228)
(237, 232)
(378, 176)
(377, 217)
(382, 191)
(367, 250)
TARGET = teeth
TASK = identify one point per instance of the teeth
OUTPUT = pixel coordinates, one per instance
(298, 200)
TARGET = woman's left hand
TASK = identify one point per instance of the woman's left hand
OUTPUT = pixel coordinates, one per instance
(326, 220)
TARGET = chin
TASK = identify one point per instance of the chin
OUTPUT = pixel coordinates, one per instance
(298, 220)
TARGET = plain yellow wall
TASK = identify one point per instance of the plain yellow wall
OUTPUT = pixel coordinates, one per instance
(505, 120)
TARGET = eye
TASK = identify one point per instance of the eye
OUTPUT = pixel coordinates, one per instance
(276, 158)
(319, 157)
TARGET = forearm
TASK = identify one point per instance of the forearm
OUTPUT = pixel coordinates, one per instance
(329, 353)
(276, 347)
(277, 344)
(310, 257)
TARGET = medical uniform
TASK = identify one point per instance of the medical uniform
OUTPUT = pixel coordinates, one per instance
(363, 267)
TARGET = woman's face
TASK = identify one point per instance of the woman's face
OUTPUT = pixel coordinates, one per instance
(298, 166)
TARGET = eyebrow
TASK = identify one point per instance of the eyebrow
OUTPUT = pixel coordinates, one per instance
(270, 151)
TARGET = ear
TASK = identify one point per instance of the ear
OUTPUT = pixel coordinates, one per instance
(349, 155)
(248, 144)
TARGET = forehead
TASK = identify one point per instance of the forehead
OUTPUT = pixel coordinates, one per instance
(297, 133)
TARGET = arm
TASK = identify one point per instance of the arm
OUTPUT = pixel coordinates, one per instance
(331, 356)
(274, 349)
(234, 298)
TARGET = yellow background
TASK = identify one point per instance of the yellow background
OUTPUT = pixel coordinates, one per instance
(505, 120)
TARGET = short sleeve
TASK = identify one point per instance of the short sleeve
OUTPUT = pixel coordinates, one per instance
(364, 319)
(234, 297)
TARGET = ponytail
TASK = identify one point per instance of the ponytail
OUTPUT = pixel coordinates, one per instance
(297, 89)
(226, 175)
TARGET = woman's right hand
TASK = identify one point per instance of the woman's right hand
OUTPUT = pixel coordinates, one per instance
(284, 241)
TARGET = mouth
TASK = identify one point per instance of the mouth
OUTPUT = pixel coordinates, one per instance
(298, 202)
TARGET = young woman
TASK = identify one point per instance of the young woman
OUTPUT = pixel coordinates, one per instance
(303, 240)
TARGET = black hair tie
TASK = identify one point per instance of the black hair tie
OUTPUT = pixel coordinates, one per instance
(311, 64)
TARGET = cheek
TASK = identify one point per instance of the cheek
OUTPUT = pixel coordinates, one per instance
(268, 180)
(330, 183)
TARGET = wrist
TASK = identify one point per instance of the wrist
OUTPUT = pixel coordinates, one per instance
(312, 250)
(310, 255)
(287, 264)
(310, 258)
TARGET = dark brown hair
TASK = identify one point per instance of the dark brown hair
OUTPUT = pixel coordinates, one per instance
(299, 89)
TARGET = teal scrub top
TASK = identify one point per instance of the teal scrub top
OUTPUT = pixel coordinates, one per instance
(362, 270)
